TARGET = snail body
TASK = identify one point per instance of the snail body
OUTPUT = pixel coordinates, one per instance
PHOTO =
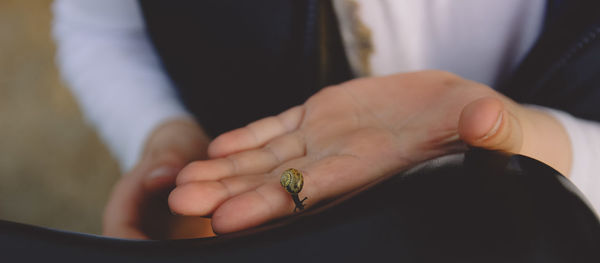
(293, 181)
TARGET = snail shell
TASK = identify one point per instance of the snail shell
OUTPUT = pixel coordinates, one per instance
(292, 181)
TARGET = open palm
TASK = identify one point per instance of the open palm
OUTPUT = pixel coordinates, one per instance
(343, 138)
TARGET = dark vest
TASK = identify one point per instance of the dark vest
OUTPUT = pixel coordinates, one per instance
(234, 62)
(562, 70)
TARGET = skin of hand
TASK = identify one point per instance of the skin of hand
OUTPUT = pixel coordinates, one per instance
(137, 207)
(355, 134)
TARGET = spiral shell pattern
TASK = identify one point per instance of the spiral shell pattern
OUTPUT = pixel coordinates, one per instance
(292, 181)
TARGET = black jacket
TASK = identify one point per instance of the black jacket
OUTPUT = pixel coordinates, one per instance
(237, 61)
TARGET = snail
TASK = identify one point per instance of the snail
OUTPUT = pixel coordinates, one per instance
(292, 181)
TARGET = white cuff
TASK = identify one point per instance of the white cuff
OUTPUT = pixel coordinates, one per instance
(112, 69)
(585, 145)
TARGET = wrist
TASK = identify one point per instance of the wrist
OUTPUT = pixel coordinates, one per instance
(545, 138)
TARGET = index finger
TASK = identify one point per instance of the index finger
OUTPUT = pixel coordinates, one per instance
(256, 133)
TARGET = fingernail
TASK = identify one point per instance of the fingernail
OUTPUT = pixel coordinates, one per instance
(163, 171)
(174, 213)
(494, 129)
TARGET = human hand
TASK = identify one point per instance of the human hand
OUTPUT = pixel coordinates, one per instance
(342, 139)
(138, 205)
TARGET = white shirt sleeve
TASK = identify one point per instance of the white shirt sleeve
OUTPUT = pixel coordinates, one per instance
(585, 145)
(110, 66)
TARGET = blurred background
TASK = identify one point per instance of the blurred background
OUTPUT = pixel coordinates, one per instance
(54, 171)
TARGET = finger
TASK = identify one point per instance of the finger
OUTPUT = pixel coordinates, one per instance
(160, 168)
(252, 208)
(256, 134)
(487, 123)
(324, 179)
(123, 213)
(120, 215)
(202, 197)
(261, 160)
(161, 177)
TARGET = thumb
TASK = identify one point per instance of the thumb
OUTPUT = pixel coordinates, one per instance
(488, 123)
(161, 171)
(122, 215)
(168, 149)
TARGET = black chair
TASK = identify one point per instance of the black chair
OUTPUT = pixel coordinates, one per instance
(478, 207)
